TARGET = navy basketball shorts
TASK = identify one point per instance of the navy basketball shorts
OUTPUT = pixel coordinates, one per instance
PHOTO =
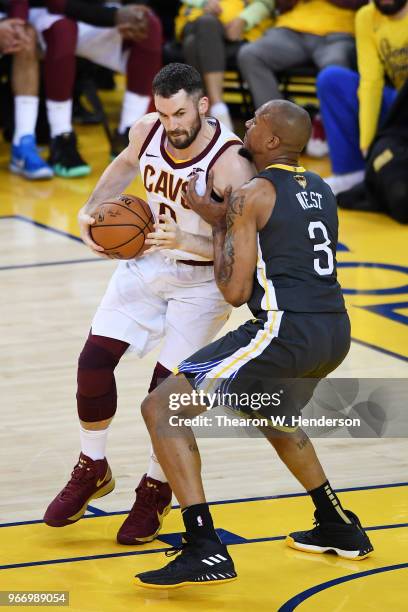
(270, 366)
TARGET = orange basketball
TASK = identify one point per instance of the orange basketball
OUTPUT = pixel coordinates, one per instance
(121, 226)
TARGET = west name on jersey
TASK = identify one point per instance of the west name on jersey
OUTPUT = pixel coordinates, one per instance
(310, 199)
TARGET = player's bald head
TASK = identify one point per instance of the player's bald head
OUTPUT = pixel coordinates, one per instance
(289, 122)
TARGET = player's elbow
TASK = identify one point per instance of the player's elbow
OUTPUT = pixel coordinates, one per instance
(236, 296)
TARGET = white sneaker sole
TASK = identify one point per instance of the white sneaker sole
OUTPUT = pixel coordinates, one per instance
(344, 554)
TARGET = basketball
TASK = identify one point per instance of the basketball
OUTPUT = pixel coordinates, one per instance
(121, 226)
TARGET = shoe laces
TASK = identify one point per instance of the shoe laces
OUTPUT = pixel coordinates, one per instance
(80, 476)
(67, 152)
(31, 155)
(174, 550)
(146, 501)
(186, 549)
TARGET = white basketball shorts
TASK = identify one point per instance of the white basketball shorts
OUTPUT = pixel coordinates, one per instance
(153, 298)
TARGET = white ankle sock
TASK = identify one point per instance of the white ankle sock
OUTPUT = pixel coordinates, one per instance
(154, 470)
(93, 442)
(59, 117)
(134, 106)
(25, 116)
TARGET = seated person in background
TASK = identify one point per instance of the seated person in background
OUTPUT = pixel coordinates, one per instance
(19, 40)
(211, 29)
(353, 104)
(318, 31)
(127, 39)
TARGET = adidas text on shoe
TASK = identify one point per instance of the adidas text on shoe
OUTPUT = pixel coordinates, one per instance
(153, 503)
(348, 541)
(200, 563)
(89, 480)
(65, 158)
(27, 162)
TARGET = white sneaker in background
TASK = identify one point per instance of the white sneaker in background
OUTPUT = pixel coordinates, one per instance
(343, 182)
(317, 145)
(220, 111)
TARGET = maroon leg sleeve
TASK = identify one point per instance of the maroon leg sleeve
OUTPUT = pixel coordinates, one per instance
(96, 395)
(145, 59)
(159, 374)
(59, 68)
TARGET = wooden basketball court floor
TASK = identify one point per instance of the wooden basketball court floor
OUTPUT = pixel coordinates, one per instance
(50, 286)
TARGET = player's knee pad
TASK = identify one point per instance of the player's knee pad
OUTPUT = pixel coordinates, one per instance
(160, 373)
(96, 394)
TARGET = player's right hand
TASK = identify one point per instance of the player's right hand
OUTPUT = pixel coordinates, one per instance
(85, 221)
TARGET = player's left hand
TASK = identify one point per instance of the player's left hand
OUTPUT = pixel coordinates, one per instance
(167, 235)
(212, 212)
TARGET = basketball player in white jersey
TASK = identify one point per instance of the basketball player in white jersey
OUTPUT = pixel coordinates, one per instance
(170, 292)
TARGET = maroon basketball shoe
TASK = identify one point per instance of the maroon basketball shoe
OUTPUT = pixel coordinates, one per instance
(89, 480)
(153, 502)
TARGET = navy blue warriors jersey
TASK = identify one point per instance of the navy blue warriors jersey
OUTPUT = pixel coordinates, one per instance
(296, 266)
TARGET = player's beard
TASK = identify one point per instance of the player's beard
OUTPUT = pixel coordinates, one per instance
(246, 153)
(189, 136)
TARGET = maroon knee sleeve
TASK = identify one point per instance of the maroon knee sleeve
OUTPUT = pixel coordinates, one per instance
(145, 59)
(159, 374)
(59, 65)
(96, 394)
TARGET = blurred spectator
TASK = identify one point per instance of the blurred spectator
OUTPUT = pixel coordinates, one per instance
(306, 31)
(211, 29)
(352, 104)
(19, 40)
(126, 39)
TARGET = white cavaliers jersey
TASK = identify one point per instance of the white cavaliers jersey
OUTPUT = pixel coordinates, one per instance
(165, 179)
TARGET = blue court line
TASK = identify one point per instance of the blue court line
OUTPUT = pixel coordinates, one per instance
(134, 553)
(235, 501)
(43, 264)
(379, 349)
(96, 511)
(42, 226)
(293, 603)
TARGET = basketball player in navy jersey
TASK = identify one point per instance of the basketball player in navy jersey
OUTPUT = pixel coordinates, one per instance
(275, 243)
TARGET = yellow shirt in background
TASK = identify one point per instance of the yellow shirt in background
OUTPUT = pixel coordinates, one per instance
(230, 10)
(382, 49)
(317, 17)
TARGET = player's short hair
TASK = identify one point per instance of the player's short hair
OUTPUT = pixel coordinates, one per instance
(173, 77)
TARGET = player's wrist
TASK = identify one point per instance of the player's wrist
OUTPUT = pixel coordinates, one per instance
(219, 228)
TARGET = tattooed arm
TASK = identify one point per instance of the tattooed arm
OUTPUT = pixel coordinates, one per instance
(235, 223)
(235, 248)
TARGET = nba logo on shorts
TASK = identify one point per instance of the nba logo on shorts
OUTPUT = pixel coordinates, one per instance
(199, 521)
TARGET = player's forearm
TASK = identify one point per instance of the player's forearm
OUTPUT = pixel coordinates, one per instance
(197, 245)
(117, 176)
(234, 291)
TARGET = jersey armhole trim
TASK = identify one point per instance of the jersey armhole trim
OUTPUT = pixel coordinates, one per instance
(149, 137)
(220, 151)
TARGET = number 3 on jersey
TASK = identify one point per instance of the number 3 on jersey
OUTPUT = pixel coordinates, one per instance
(321, 246)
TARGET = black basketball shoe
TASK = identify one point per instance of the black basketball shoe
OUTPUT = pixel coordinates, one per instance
(65, 158)
(348, 541)
(201, 562)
